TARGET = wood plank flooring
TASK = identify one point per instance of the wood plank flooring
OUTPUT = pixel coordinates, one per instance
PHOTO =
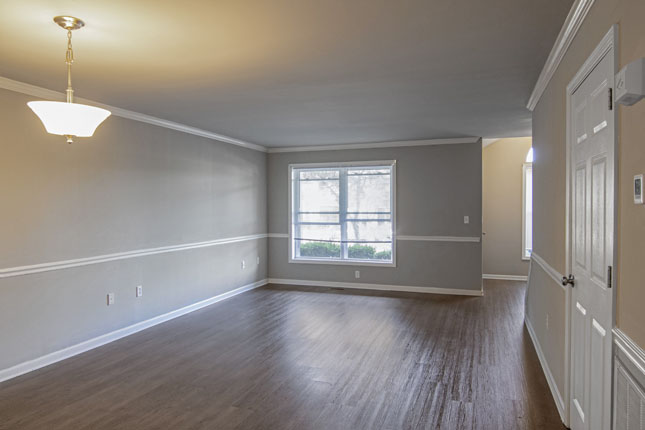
(304, 358)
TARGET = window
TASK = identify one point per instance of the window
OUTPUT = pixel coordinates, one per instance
(342, 213)
(527, 206)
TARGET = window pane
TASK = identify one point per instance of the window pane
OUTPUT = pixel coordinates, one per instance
(313, 249)
(369, 231)
(370, 251)
(373, 240)
(528, 212)
(321, 195)
(369, 216)
(369, 171)
(316, 174)
(317, 217)
(367, 191)
(323, 232)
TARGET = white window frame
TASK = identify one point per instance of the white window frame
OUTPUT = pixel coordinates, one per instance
(391, 163)
(525, 167)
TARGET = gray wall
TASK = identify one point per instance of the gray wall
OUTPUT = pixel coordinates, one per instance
(132, 186)
(435, 187)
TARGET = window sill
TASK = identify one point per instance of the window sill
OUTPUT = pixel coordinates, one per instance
(342, 262)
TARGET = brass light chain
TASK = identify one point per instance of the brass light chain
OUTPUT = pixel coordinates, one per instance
(69, 59)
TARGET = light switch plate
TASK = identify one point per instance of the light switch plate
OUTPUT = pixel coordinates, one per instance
(110, 299)
(638, 189)
(466, 219)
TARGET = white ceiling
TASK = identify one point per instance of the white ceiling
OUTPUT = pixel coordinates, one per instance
(297, 72)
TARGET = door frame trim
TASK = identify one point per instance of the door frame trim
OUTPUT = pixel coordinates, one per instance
(608, 42)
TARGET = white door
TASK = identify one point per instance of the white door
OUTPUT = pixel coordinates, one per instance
(592, 247)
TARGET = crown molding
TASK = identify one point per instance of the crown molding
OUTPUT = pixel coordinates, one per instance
(487, 142)
(572, 24)
(44, 93)
(395, 144)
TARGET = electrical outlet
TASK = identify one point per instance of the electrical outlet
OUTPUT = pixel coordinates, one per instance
(110, 299)
(466, 219)
(139, 291)
(357, 274)
(243, 264)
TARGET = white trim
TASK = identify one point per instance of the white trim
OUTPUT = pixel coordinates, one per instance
(378, 287)
(373, 263)
(604, 46)
(342, 147)
(79, 348)
(441, 238)
(525, 168)
(489, 141)
(66, 264)
(557, 396)
(506, 277)
(411, 238)
(332, 164)
(554, 274)
(572, 24)
(44, 93)
(630, 349)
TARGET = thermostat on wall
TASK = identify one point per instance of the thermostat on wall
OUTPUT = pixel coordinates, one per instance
(638, 189)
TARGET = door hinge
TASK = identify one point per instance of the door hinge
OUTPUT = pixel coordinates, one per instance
(611, 99)
(609, 280)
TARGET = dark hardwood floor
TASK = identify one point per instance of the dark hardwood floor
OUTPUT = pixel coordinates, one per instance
(304, 358)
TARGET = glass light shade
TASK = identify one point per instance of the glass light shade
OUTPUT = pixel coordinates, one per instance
(69, 118)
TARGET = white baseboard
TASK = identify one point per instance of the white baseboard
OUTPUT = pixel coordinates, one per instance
(379, 287)
(505, 277)
(557, 396)
(46, 360)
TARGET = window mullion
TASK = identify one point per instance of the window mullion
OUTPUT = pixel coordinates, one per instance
(343, 212)
(295, 215)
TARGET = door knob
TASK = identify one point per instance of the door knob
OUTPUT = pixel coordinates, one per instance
(571, 280)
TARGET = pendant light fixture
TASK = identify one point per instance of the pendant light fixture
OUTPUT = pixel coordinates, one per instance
(69, 119)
